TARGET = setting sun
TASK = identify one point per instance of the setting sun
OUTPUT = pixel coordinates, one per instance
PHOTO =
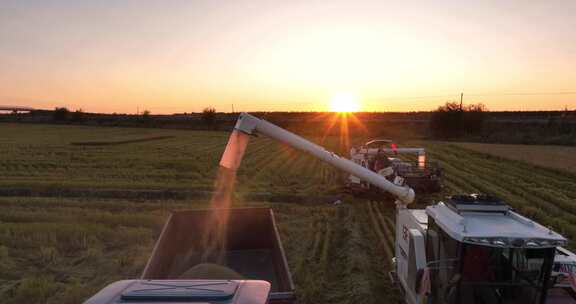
(344, 102)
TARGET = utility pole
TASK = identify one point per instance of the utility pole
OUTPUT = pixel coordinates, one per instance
(233, 109)
(461, 98)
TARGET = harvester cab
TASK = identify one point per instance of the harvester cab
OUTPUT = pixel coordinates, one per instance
(474, 249)
(382, 157)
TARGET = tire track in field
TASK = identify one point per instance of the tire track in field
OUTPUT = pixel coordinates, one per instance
(375, 258)
(378, 225)
(387, 214)
(306, 243)
(315, 253)
(337, 263)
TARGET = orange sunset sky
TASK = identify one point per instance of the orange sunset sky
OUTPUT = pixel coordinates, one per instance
(182, 56)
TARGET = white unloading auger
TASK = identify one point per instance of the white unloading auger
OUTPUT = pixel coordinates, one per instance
(249, 124)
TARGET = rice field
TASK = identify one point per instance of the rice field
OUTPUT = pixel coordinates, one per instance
(64, 247)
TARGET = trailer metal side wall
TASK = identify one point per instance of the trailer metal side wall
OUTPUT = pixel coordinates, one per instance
(254, 250)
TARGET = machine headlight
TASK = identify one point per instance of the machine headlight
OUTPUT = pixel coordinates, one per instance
(514, 242)
(484, 241)
(499, 242)
(476, 240)
(545, 243)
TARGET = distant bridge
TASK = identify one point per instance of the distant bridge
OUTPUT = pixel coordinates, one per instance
(16, 109)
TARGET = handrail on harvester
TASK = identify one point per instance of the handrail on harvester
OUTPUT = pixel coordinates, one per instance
(250, 124)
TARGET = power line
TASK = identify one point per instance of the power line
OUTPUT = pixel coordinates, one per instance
(417, 97)
(391, 98)
(525, 94)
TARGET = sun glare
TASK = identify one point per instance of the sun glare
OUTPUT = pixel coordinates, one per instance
(344, 102)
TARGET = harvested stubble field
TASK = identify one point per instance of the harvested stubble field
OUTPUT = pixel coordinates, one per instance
(555, 157)
(63, 249)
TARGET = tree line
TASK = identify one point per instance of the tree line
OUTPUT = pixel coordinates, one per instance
(454, 120)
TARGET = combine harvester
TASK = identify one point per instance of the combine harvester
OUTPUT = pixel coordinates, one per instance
(470, 249)
(379, 156)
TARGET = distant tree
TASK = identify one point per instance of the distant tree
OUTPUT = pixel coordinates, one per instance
(446, 121)
(146, 117)
(77, 116)
(474, 119)
(454, 120)
(60, 114)
(559, 124)
(209, 116)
